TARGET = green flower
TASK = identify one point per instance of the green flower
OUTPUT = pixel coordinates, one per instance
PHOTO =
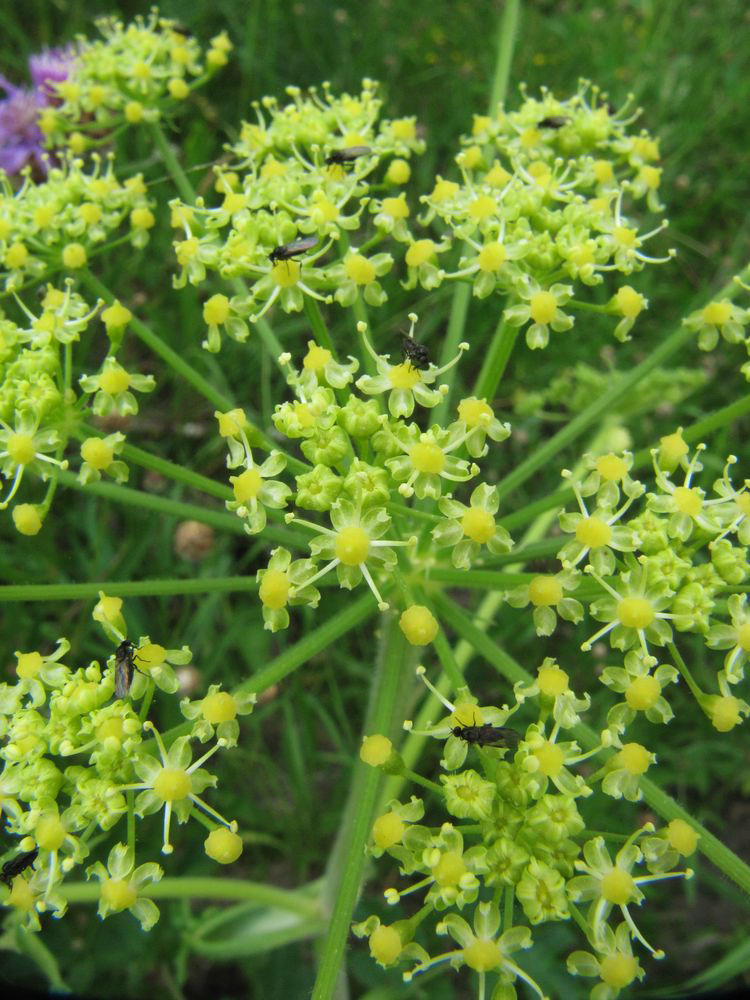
(596, 534)
(404, 383)
(633, 612)
(353, 545)
(467, 795)
(614, 964)
(483, 949)
(120, 883)
(607, 884)
(427, 459)
(172, 783)
(735, 637)
(216, 714)
(112, 387)
(543, 308)
(24, 448)
(467, 529)
(284, 582)
(541, 891)
(254, 490)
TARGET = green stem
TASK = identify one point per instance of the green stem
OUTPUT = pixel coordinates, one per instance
(354, 615)
(546, 452)
(495, 360)
(187, 887)
(484, 579)
(172, 164)
(453, 337)
(347, 859)
(154, 342)
(140, 588)
(684, 672)
(137, 456)
(506, 41)
(319, 328)
(448, 662)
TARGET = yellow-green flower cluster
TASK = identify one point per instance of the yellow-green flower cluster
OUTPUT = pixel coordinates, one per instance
(39, 409)
(527, 837)
(661, 560)
(59, 224)
(540, 206)
(70, 751)
(139, 72)
(280, 189)
(361, 466)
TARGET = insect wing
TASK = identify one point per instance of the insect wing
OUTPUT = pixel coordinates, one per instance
(346, 155)
(553, 121)
(497, 736)
(17, 865)
(289, 250)
(124, 669)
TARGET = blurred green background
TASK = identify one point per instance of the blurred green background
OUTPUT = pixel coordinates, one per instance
(688, 65)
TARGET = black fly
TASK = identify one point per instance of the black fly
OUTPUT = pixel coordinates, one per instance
(416, 354)
(486, 735)
(294, 249)
(124, 668)
(17, 865)
(553, 121)
(339, 157)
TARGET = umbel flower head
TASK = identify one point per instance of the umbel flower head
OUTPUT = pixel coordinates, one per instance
(286, 202)
(136, 73)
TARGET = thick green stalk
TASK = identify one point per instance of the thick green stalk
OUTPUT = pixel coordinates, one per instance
(586, 418)
(187, 887)
(506, 43)
(173, 165)
(140, 588)
(506, 39)
(221, 520)
(495, 360)
(353, 616)
(347, 859)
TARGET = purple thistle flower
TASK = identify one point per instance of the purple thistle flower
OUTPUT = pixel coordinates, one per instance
(50, 66)
(20, 138)
(21, 141)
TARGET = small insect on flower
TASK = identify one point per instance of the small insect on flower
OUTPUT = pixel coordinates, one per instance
(124, 668)
(293, 249)
(487, 735)
(416, 354)
(18, 865)
(339, 157)
(553, 121)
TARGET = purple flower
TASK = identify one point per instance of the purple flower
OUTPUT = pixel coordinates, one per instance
(20, 138)
(50, 66)
(21, 141)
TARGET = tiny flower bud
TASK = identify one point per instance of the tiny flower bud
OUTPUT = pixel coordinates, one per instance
(419, 625)
(375, 750)
(223, 845)
(682, 837)
(27, 519)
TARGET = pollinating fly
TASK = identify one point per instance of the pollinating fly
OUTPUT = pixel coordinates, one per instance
(124, 668)
(18, 865)
(553, 121)
(340, 157)
(487, 735)
(293, 249)
(416, 354)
